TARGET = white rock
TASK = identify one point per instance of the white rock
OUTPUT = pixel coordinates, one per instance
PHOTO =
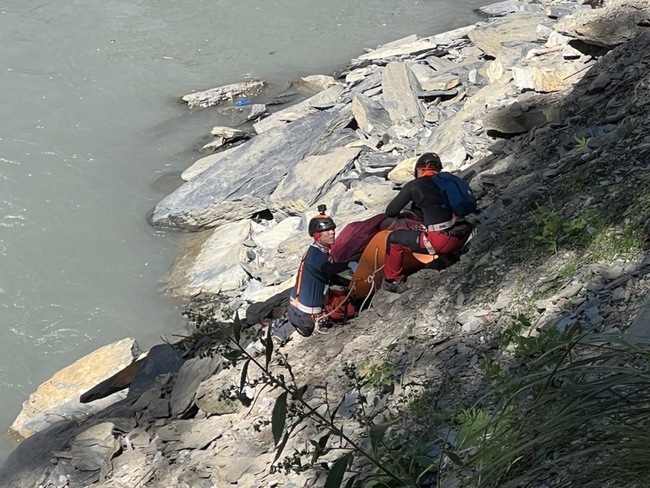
(215, 266)
(272, 237)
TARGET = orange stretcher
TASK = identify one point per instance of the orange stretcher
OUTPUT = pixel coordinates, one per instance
(370, 269)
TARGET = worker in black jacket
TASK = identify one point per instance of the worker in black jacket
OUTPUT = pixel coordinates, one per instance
(440, 234)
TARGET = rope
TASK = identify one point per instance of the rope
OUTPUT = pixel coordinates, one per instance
(339, 305)
(370, 279)
(323, 317)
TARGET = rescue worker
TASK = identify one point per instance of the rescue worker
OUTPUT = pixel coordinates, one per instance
(441, 233)
(315, 273)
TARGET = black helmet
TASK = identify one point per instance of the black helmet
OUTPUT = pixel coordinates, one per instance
(428, 162)
(321, 222)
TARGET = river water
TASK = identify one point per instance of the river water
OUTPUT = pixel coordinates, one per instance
(92, 136)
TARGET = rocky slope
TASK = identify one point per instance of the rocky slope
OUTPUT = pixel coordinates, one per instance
(546, 113)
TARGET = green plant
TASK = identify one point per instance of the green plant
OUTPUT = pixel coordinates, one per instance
(379, 460)
(529, 342)
(552, 228)
(548, 225)
(377, 374)
(626, 128)
(577, 415)
(473, 425)
(581, 142)
(492, 370)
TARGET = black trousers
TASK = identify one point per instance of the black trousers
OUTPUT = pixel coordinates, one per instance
(303, 322)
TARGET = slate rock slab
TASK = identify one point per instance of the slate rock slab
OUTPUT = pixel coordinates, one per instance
(238, 186)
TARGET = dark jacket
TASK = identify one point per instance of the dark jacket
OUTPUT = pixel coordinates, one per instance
(427, 201)
(314, 274)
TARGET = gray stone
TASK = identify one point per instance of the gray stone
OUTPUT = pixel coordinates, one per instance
(192, 373)
(58, 397)
(213, 265)
(134, 468)
(452, 36)
(160, 359)
(93, 448)
(294, 112)
(407, 46)
(593, 316)
(214, 405)
(29, 463)
(447, 140)
(570, 52)
(473, 326)
(65, 475)
(214, 145)
(620, 295)
(432, 80)
(370, 162)
(617, 22)
(559, 11)
(440, 64)
(223, 136)
(639, 331)
(491, 37)
(241, 115)
(159, 408)
(137, 438)
(514, 120)
(366, 86)
(155, 391)
(563, 324)
(360, 74)
(500, 9)
(403, 171)
(557, 39)
(272, 237)
(202, 164)
(215, 96)
(231, 470)
(600, 82)
(228, 133)
(431, 116)
(309, 179)
(609, 272)
(345, 137)
(317, 83)
(370, 115)
(549, 73)
(192, 433)
(570, 290)
(229, 191)
(400, 87)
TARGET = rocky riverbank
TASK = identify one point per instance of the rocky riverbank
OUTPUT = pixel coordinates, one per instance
(542, 107)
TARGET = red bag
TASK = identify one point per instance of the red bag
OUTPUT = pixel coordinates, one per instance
(338, 306)
(355, 237)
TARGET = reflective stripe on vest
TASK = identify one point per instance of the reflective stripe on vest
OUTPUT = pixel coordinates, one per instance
(310, 310)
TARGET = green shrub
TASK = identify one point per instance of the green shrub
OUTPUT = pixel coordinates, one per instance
(578, 415)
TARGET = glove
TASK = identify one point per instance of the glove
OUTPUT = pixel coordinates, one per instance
(353, 265)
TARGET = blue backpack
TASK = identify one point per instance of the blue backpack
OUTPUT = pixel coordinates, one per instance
(456, 192)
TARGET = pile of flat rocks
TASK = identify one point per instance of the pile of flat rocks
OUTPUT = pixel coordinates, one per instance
(502, 102)
(463, 94)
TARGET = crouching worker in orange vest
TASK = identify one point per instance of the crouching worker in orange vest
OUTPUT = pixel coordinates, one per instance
(311, 302)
